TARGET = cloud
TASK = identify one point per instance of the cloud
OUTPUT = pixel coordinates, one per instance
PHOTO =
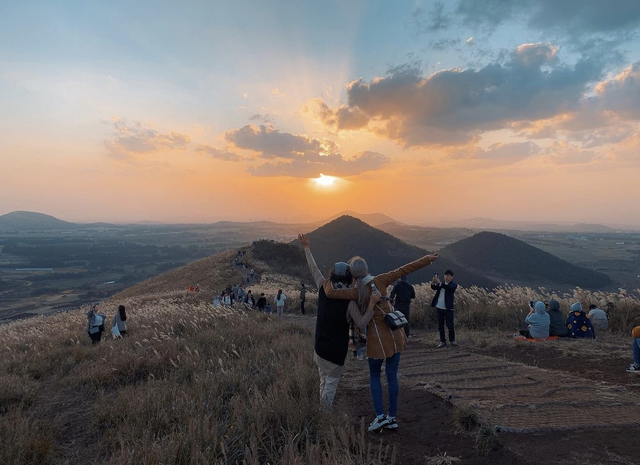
(564, 153)
(454, 106)
(218, 154)
(444, 44)
(311, 165)
(577, 18)
(622, 93)
(469, 41)
(131, 139)
(275, 91)
(497, 154)
(265, 118)
(271, 143)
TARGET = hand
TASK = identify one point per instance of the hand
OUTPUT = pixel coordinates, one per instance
(376, 296)
(304, 241)
(433, 256)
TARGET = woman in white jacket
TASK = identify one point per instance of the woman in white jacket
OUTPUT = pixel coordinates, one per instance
(279, 301)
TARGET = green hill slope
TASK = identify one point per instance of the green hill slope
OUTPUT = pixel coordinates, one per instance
(512, 260)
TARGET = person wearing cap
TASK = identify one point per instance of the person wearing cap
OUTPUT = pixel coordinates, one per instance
(578, 323)
(334, 318)
(384, 345)
(401, 296)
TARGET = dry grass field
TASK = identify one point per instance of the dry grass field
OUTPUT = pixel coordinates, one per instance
(193, 384)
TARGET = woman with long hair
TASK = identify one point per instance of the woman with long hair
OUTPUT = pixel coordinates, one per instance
(279, 301)
(120, 319)
(384, 344)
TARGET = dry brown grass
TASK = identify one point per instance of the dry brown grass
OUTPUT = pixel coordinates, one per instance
(505, 308)
(190, 384)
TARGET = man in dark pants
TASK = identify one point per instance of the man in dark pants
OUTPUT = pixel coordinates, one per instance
(443, 302)
(401, 296)
(303, 294)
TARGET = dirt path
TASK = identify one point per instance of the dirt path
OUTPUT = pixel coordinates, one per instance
(544, 415)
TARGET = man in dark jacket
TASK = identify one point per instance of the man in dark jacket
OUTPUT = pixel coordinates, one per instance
(401, 296)
(443, 302)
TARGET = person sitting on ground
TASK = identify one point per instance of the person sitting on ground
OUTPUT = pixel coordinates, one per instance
(96, 324)
(578, 323)
(598, 318)
(557, 326)
(261, 303)
(538, 320)
(120, 320)
(635, 332)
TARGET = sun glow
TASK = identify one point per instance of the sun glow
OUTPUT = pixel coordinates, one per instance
(324, 180)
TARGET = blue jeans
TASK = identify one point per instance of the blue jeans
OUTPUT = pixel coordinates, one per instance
(636, 351)
(391, 369)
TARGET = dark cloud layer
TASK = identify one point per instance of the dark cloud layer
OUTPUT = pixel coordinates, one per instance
(452, 107)
(272, 143)
(308, 166)
(575, 17)
(299, 155)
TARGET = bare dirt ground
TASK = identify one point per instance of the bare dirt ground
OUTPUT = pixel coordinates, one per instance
(570, 408)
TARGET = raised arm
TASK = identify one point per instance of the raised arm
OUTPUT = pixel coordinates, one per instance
(362, 320)
(387, 278)
(313, 267)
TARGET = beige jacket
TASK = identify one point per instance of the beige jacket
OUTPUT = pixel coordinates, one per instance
(382, 341)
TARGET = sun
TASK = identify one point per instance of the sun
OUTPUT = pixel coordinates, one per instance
(324, 181)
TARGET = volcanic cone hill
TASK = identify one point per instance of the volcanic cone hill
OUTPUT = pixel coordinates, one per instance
(346, 237)
(507, 259)
(20, 221)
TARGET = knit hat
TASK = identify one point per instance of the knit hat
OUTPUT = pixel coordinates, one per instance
(340, 269)
(576, 307)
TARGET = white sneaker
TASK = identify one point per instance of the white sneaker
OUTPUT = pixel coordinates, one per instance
(633, 368)
(378, 423)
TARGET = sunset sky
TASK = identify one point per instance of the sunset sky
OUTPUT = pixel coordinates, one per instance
(199, 111)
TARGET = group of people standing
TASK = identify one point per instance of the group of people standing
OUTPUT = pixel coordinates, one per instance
(96, 320)
(350, 296)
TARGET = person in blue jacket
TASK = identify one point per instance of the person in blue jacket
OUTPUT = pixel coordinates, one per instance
(539, 322)
(443, 302)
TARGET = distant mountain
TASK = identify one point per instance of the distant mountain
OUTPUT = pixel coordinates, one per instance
(373, 219)
(347, 236)
(502, 225)
(505, 258)
(21, 221)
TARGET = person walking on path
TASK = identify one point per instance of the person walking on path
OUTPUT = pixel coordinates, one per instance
(279, 301)
(443, 302)
(334, 318)
(303, 295)
(261, 303)
(401, 296)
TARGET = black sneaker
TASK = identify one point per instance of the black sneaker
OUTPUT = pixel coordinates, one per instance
(393, 424)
